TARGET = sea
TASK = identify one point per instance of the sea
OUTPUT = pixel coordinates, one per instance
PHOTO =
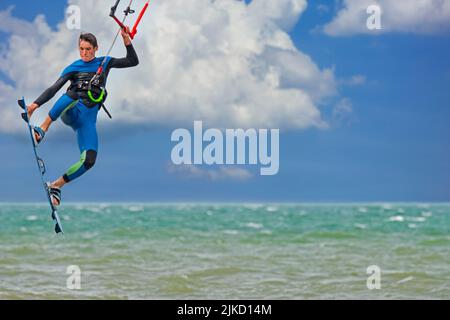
(226, 251)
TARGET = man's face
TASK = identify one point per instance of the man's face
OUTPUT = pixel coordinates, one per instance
(87, 51)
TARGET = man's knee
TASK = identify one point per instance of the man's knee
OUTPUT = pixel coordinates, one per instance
(91, 156)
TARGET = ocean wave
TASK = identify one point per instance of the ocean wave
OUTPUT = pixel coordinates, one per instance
(254, 225)
(397, 219)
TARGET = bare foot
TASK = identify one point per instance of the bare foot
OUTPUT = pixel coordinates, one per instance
(37, 137)
(55, 201)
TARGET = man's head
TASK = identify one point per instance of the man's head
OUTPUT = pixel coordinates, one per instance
(87, 45)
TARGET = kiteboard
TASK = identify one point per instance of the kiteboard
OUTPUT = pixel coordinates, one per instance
(41, 167)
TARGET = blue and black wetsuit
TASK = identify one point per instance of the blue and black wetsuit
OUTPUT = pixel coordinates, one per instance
(77, 110)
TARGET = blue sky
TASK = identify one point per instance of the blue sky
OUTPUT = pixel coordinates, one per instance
(393, 146)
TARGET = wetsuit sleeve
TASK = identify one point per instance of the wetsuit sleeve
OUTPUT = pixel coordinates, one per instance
(50, 92)
(131, 60)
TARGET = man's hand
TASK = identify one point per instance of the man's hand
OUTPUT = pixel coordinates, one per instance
(31, 108)
(126, 35)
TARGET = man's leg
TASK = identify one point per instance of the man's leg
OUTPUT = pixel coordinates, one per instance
(84, 121)
(87, 161)
(62, 105)
(88, 145)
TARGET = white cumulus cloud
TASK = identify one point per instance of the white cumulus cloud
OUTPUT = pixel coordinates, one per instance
(227, 63)
(409, 16)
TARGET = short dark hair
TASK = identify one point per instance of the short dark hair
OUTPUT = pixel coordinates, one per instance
(88, 37)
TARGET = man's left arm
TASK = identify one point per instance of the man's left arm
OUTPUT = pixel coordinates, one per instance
(131, 60)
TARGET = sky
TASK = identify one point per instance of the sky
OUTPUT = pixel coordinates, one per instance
(363, 114)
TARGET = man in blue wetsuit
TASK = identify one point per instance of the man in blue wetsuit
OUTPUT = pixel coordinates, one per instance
(79, 106)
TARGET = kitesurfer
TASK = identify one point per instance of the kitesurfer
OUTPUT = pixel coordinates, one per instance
(79, 106)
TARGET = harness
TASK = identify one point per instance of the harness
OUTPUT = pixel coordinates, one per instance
(82, 88)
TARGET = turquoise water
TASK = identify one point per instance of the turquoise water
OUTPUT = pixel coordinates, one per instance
(193, 251)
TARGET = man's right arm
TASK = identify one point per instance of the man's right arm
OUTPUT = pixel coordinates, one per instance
(50, 92)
